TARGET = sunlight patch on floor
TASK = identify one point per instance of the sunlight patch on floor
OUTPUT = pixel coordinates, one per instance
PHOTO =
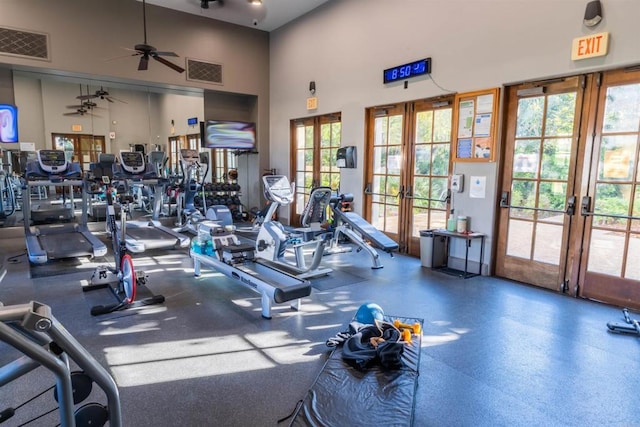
(153, 363)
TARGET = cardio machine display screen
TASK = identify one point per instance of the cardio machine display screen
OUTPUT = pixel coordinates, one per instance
(131, 158)
(52, 160)
(189, 155)
(132, 161)
(278, 188)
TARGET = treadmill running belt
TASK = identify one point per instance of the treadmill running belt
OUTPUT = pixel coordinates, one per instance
(151, 238)
(68, 245)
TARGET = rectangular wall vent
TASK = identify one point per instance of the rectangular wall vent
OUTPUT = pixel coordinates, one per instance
(204, 71)
(24, 43)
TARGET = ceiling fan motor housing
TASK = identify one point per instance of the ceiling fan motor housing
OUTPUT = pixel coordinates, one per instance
(144, 48)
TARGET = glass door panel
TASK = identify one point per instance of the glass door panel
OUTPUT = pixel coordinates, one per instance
(610, 267)
(330, 138)
(315, 142)
(427, 194)
(385, 191)
(538, 179)
(304, 165)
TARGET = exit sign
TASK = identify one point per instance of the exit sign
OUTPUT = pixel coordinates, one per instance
(590, 46)
(312, 103)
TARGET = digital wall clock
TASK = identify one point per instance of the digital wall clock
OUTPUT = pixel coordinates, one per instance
(406, 71)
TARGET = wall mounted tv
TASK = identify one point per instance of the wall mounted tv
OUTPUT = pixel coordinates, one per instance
(8, 123)
(228, 134)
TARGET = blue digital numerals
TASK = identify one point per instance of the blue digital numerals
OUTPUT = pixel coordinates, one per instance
(406, 71)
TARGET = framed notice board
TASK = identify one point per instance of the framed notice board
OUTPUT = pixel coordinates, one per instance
(475, 125)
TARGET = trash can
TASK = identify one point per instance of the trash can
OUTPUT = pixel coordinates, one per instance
(426, 247)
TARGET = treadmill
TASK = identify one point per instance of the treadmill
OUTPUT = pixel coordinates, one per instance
(64, 240)
(142, 235)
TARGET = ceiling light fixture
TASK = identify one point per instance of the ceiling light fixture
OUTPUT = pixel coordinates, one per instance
(204, 4)
(255, 2)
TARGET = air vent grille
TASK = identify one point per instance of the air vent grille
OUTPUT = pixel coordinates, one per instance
(24, 43)
(204, 71)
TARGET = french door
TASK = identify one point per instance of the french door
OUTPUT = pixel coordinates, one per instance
(315, 142)
(570, 203)
(610, 205)
(80, 148)
(539, 181)
(223, 161)
(408, 164)
(178, 142)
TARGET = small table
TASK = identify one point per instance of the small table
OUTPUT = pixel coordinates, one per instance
(469, 237)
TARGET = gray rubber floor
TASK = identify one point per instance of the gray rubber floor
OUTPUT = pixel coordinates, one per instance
(494, 352)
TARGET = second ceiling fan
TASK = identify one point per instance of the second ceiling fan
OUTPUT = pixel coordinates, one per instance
(146, 51)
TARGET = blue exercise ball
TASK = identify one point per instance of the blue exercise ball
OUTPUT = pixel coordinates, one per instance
(369, 313)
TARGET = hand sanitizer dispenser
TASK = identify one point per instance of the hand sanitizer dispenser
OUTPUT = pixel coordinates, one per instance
(457, 183)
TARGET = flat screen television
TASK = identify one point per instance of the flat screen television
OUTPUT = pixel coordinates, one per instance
(228, 134)
(8, 123)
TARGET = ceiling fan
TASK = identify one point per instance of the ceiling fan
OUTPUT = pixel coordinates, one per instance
(85, 106)
(101, 93)
(79, 112)
(146, 51)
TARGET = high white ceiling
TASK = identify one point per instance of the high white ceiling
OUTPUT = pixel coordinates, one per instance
(271, 15)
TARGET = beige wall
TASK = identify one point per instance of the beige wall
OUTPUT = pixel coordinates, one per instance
(345, 45)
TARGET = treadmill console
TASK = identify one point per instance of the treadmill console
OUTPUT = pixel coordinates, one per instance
(132, 162)
(278, 189)
(189, 156)
(52, 161)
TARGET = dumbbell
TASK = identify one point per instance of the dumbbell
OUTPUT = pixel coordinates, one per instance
(416, 328)
(406, 335)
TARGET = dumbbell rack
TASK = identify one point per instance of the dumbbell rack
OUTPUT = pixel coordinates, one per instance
(221, 193)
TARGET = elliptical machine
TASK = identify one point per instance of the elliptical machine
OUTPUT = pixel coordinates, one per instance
(191, 165)
(273, 241)
(122, 280)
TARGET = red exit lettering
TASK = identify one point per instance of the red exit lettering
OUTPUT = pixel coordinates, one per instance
(589, 46)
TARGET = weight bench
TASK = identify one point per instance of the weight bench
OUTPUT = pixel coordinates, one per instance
(359, 232)
(342, 395)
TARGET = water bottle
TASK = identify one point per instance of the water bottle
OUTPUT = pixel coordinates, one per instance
(209, 249)
(196, 246)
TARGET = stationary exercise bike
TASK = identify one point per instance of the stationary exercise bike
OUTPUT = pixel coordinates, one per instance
(273, 240)
(122, 280)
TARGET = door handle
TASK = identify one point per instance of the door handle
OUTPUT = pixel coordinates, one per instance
(585, 206)
(571, 205)
(504, 199)
(408, 194)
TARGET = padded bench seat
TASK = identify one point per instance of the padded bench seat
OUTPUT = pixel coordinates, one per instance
(369, 232)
